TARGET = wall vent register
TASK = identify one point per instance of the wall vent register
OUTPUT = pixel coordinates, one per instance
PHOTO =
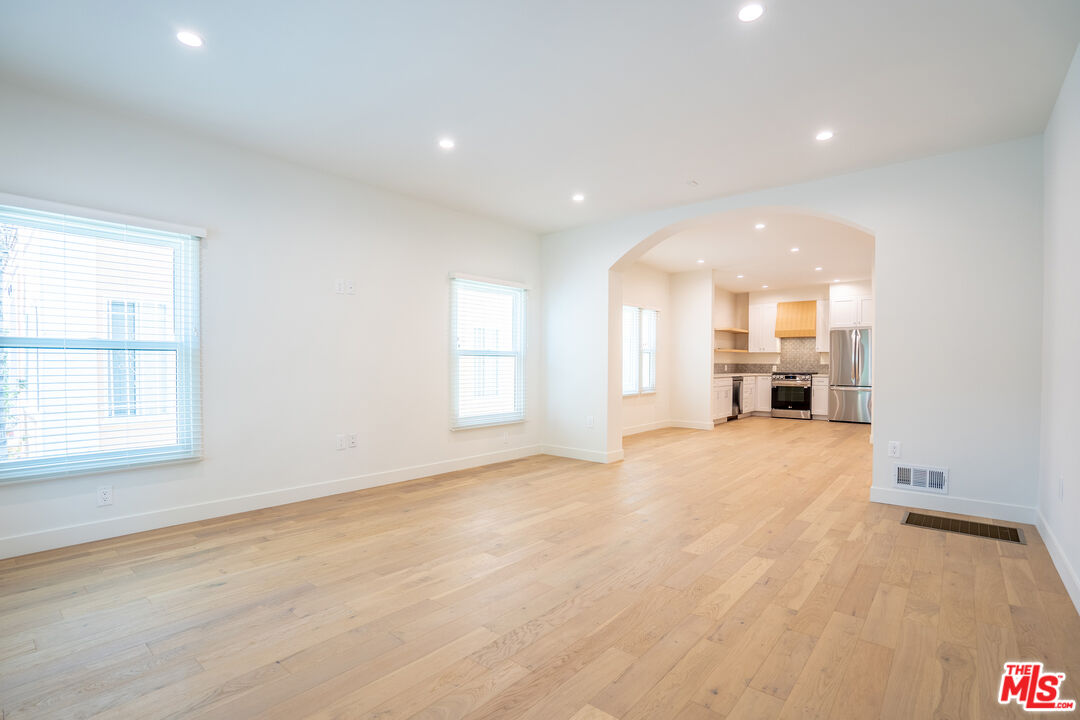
(926, 479)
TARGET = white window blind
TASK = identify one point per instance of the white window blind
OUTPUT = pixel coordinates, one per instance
(99, 351)
(639, 350)
(487, 348)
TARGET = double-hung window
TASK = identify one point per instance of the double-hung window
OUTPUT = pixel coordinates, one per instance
(99, 351)
(639, 350)
(487, 352)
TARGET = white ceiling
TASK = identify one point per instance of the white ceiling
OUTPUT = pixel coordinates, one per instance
(731, 246)
(624, 100)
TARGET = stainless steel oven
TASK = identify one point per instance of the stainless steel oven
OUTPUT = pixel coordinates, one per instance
(791, 395)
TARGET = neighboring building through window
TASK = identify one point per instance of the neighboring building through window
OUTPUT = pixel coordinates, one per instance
(99, 353)
(487, 381)
(121, 362)
(639, 350)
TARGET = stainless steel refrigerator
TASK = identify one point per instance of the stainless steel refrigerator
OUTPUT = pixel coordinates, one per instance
(849, 375)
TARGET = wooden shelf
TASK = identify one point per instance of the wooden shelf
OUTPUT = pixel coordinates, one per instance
(729, 350)
(733, 330)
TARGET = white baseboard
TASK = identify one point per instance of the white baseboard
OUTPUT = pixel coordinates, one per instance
(15, 545)
(953, 504)
(646, 427)
(1061, 560)
(597, 456)
(692, 424)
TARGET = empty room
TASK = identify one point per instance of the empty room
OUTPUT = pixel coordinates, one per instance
(539, 360)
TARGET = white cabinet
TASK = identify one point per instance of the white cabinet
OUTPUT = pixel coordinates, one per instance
(721, 398)
(866, 311)
(763, 329)
(819, 399)
(822, 326)
(748, 400)
(851, 312)
(764, 394)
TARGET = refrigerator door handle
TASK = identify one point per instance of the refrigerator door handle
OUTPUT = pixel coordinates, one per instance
(856, 358)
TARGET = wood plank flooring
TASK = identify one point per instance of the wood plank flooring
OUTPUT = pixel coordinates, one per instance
(737, 573)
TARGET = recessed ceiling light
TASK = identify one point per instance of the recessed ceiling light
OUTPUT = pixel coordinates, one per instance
(824, 135)
(578, 197)
(764, 286)
(751, 12)
(836, 280)
(817, 269)
(700, 261)
(692, 183)
(189, 38)
(794, 249)
(759, 226)
(447, 143)
(740, 276)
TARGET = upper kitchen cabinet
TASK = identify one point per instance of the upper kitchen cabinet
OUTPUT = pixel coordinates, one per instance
(851, 312)
(763, 329)
(823, 326)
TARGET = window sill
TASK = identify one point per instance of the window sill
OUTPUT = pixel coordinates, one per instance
(492, 423)
(84, 472)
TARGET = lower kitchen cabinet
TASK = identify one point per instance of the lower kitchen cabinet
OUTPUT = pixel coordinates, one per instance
(721, 398)
(764, 394)
(819, 399)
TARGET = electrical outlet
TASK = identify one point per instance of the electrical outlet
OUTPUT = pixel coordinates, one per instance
(340, 442)
(894, 449)
(588, 421)
(506, 437)
(339, 286)
(354, 439)
(104, 495)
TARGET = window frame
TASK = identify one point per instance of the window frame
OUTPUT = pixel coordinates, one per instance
(518, 352)
(185, 243)
(640, 386)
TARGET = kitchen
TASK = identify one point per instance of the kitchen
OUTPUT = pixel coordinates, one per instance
(774, 358)
(741, 319)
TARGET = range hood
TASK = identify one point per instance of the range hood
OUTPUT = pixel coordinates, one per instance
(796, 319)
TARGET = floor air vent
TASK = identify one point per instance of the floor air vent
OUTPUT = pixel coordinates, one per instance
(966, 527)
(927, 479)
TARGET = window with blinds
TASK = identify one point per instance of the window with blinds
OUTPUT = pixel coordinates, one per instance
(99, 352)
(487, 348)
(639, 350)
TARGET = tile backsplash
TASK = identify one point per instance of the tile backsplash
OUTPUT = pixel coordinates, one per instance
(796, 355)
(800, 355)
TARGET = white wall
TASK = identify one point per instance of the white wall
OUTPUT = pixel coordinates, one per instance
(950, 232)
(692, 336)
(287, 363)
(797, 294)
(645, 286)
(846, 290)
(1059, 471)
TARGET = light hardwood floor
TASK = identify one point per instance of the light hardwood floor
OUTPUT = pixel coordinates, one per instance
(737, 573)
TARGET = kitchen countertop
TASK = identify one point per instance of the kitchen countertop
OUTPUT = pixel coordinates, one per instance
(735, 374)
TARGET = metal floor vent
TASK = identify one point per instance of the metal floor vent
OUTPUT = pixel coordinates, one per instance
(966, 527)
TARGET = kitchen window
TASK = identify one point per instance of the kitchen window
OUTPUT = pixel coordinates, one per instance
(487, 350)
(99, 352)
(639, 350)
